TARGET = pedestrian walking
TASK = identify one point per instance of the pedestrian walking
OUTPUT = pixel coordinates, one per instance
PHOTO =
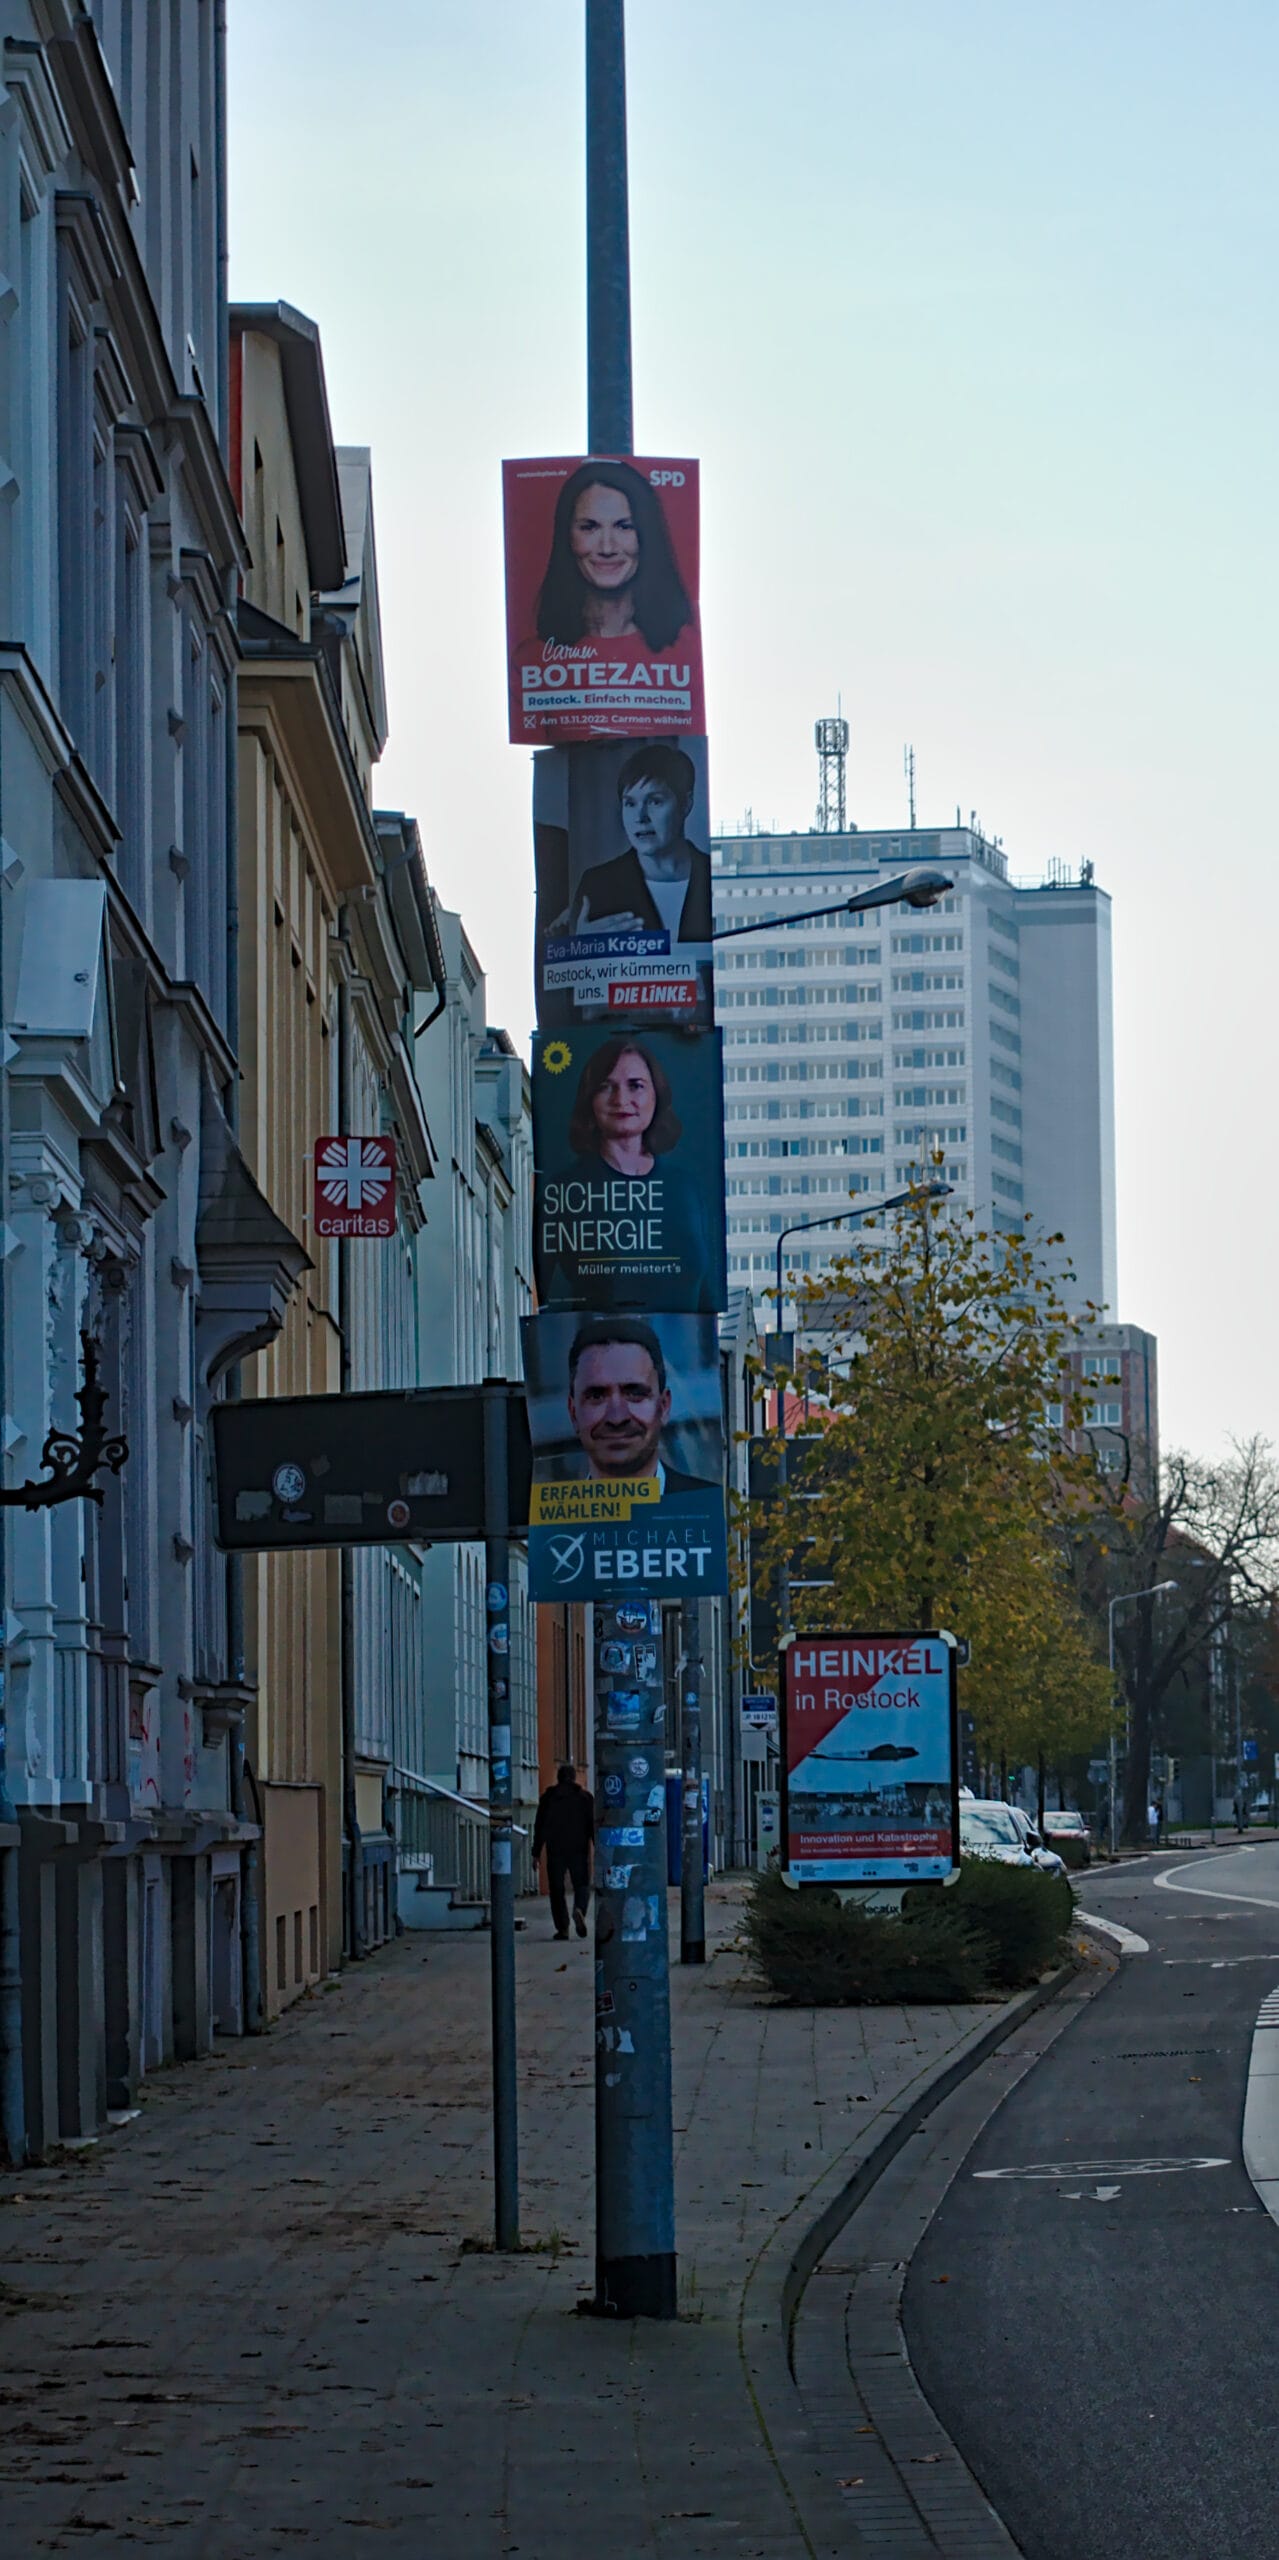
(1241, 1811)
(1159, 1822)
(565, 1828)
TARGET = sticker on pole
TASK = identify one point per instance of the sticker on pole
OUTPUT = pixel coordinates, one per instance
(869, 1759)
(355, 1186)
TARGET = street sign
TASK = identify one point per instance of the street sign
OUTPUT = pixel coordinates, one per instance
(759, 1707)
(355, 1186)
(1250, 1748)
(362, 1470)
(870, 1778)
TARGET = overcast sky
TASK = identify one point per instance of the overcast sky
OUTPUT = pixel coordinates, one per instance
(968, 309)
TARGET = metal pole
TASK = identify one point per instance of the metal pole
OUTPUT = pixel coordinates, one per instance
(609, 426)
(692, 1881)
(635, 2269)
(1111, 1656)
(497, 1570)
(634, 2145)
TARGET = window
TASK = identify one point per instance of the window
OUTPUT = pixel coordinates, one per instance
(1055, 1416)
(1105, 1364)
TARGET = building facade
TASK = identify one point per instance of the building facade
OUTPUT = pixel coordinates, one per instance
(137, 1240)
(337, 938)
(858, 1048)
(1115, 1369)
(474, 1280)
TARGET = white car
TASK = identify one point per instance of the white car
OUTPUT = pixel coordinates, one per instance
(988, 1829)
(1049, 1861)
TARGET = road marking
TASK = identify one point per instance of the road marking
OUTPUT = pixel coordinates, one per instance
(1127, 1940)
(1175, 1882)
(1103, 2168)
(1222, 1964)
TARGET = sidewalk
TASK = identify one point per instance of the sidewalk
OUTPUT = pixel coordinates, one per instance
(263, 2317)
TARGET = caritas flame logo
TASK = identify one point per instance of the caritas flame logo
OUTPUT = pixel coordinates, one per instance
(355, 1186)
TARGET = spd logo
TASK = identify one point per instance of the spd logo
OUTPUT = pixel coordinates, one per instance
(666, 479)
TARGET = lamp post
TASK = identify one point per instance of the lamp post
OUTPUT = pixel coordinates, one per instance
(1120, 1601)
(919, 887)
(805, 1226)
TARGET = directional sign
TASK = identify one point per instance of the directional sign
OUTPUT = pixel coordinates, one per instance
(363, 1470)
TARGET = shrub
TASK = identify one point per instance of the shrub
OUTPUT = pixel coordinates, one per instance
(1023, 1914)
(821, 1953)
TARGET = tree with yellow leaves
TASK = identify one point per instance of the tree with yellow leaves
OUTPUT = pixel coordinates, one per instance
(933, 1491)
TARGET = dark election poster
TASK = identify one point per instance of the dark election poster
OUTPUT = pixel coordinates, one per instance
(628, 1141)
(622, 848)
(869, 1761)
(626, 1424)
(602, 631)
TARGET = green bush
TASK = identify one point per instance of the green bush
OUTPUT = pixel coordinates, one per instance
(997, 1929)
(1023, 1914)
(821, 1953)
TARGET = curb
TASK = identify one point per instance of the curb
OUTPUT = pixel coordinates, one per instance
(817, 2240)
(775, 2283)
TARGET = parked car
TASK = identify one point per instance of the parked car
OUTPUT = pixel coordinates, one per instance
(1048, 1860)
(987, 1830)
(1069, 1833)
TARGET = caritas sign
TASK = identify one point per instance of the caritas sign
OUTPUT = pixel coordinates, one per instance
(869, 1735)
(355, 1186)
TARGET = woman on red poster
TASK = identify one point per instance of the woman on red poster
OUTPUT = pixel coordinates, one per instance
(615, 649)
(612, 571)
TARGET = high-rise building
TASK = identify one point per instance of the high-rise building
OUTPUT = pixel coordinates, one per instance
(858, 1048)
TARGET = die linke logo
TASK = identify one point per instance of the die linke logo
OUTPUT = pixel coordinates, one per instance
(355, 1186)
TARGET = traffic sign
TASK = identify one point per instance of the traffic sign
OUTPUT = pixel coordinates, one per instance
(361, 1470)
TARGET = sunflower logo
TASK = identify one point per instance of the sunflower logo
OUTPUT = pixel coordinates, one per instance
(556, 1056)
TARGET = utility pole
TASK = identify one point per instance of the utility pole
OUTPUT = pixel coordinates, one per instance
(609, 426)
(635, 2265)
(692, 1880)
(497, 1576)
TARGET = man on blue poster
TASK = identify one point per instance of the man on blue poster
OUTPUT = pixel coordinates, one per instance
(615, 1509)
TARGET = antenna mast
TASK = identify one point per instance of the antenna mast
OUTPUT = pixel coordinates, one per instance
(830, 737)
(908, 760)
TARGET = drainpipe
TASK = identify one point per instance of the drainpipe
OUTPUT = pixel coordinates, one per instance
(346, 1556)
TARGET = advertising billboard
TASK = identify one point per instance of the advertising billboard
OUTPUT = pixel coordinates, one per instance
(621, 840)
(602, 631)
(869, 1758)
(625, 1421)
(628, 1141)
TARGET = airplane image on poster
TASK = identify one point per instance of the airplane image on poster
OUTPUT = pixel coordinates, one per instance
(869, 1758)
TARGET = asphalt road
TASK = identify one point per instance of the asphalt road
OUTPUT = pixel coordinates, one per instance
(1103, 2345)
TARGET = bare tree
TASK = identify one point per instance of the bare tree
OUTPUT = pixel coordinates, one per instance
(1214, 1531)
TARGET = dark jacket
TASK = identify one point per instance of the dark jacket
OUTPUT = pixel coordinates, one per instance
(619, 888)
(565, 1825)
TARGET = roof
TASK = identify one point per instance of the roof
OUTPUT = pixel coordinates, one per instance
(306, 402)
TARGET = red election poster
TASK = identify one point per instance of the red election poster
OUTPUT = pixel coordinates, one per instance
(355, 1186)
(869, 1758)
(602, 629)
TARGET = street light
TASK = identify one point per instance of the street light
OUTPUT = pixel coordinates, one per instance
(873, 1208)
(919, 887)
(1120, 1600)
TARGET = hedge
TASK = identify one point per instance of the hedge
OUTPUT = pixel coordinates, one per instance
(998, 1927)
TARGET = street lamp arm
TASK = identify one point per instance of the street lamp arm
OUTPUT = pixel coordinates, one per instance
(917, 888)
